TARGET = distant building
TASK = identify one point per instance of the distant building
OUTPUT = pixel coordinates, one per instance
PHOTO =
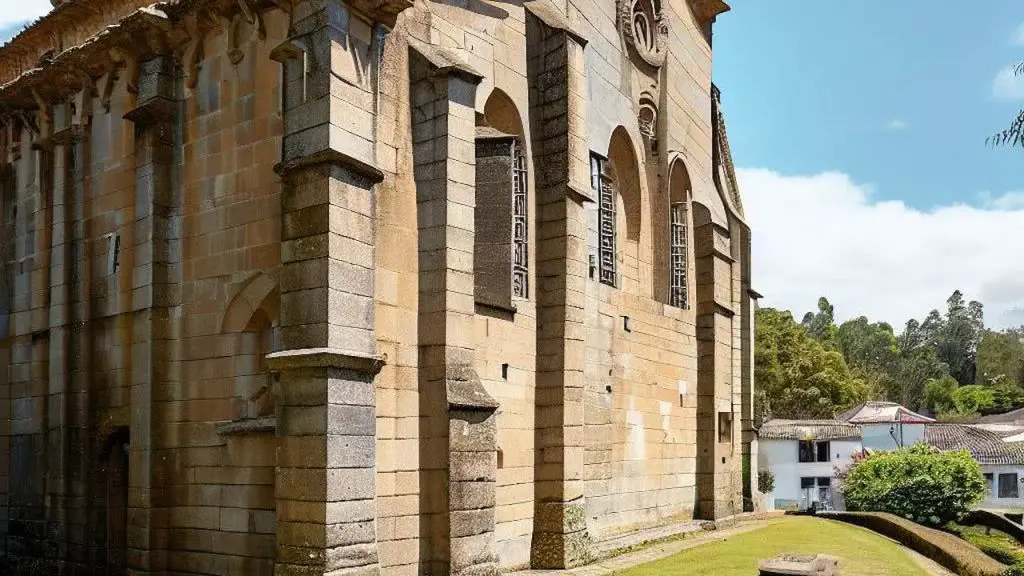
(886, 425)
(806, 455)
(996, 449)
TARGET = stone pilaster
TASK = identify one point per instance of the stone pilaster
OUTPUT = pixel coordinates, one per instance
(153, 116)
(460, 448)
(558, 94)
(326, 426)
(66, 172)
(748, 437)
(716, 454)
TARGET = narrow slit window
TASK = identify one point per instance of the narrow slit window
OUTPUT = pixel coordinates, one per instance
(724, 427)
(679, 294)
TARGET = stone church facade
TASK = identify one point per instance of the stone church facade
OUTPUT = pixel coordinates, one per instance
(305, 287)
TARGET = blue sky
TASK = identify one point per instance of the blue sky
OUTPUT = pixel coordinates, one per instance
(858, 130)
(897, 93)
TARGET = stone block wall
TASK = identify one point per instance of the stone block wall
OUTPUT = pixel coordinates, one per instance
(243, 335)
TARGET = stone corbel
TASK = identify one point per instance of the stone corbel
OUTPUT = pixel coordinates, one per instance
(193, 53)
(131, 65)
(108, 86)
(82, 100)
(254, 17)
(43, 138)
(235, 55)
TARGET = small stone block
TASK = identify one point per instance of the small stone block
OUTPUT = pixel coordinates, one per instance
(793, 565)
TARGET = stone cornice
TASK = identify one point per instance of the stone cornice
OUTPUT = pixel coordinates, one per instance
(721, 143)
(331, 157)
(248, 426)
(55, 62)
(707, 10)
(69, 24)
(325, 358)
(445, 62)
(553, 17)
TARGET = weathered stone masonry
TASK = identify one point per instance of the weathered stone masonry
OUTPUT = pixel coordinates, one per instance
(302, 287)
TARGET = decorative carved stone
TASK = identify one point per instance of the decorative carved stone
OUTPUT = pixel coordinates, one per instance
(791, 565)
(647, 118)
(645, 27)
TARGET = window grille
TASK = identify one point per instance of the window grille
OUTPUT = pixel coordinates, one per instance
(520, 238)
(679, 288)
(605, 220)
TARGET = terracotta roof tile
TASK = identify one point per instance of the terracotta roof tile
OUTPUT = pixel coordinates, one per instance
(807, 430)
(985, 446)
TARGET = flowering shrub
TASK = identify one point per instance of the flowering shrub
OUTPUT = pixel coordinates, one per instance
(919, 483)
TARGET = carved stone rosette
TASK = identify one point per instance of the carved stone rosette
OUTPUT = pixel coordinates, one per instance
(645, 26)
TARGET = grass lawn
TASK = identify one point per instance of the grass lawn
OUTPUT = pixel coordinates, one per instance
(864, 553)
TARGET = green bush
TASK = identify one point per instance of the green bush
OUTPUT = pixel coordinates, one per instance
(955, 554)
(919, 483)
(765, 481)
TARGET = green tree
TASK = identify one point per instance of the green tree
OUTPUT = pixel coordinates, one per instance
(919, 483)
(1001, 357)
(912, 372)
(956, 336)
(821, 325)
(871, 352)
(797, 376)
(973, 399)
(938, 394)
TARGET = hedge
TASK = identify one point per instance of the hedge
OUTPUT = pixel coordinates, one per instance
(955, 554)
(996, 522)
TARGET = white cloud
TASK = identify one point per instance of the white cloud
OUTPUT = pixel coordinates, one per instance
(23, 10)
(1018, 36)
(896, 125)
(1008, 85)
(823, 235)
(1008, 201)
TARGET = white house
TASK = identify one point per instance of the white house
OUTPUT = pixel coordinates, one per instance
(886, 425)
(999, 453)
(804, 456)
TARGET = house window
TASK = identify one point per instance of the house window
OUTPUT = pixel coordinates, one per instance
(811, 451)
(990, 482)
(604, 187)
(679, 296)
(806, 483)
(1008, 487)
(823, 452)
(501, 243)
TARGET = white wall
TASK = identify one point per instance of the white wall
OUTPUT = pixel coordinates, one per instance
(877, 436)
(782, 458)
(992, 499)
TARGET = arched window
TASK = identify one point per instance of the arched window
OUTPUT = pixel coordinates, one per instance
(501, 239)
(679, 235)
(616, 183)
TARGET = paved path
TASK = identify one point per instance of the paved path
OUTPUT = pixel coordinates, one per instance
(651, 553)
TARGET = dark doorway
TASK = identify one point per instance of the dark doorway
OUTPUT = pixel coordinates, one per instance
(111, 505)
